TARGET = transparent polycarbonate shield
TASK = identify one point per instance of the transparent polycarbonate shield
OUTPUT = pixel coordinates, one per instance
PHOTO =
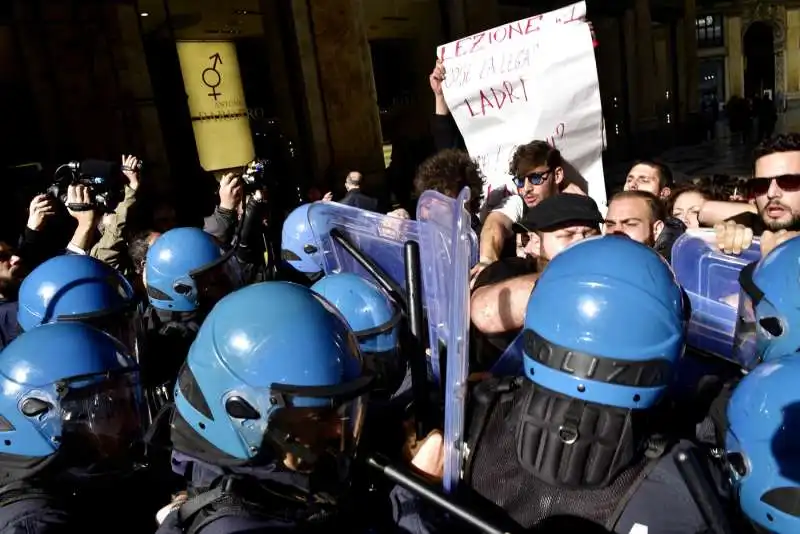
(711, 279)
(446, 250)
(380, 237)
(510, 362)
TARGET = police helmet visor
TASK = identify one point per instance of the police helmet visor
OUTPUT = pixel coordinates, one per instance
(217, 279)
(118, 285)
(319, 432)
(119, 324)
(388, 366)
(101, 416)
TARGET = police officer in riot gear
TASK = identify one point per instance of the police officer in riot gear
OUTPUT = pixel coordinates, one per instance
(268, 409)
(579, 436)
(301, 258)
(69, 422)
(769, 306)
(186, 273)
(376, 322)
(762, 445)
(80, 288)
(769, 309)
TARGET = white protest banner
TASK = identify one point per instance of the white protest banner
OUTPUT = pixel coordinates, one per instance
(531, 79)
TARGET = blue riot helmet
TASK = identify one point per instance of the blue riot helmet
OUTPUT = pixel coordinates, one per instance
(186, 270)
(69, 387)
(603, 335)
(762, 453)
(608, 331)
(769, 304)
(74, 287)
(375, 320)
(299, 248)
(275, 372)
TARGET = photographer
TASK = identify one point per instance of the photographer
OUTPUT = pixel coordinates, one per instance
(222, 224)
(112, 247)
(40, 242)
(240, 220)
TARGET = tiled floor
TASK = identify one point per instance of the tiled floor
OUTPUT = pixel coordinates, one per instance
(712, 157)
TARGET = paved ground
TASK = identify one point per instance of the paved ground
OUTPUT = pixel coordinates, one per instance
(712, 157)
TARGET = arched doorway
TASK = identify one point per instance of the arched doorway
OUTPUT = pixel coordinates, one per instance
(759, 54)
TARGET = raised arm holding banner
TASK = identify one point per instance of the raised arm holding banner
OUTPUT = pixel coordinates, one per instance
(531, 79)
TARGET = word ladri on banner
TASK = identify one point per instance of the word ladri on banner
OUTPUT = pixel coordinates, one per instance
(532, 79)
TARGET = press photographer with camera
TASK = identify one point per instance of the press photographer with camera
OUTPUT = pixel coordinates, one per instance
(111, 247)
(222, 223)
(87, 192)
(242, 219)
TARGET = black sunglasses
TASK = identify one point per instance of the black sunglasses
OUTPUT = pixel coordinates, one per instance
(536, 178)
(760, 186)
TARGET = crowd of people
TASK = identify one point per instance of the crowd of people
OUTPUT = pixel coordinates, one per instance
(178, 379)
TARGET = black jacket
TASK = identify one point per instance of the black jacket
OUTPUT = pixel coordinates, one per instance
(357, 199)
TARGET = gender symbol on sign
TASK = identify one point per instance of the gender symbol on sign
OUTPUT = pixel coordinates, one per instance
(212, 77)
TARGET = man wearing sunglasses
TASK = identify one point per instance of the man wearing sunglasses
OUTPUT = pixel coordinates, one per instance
(537, 172)
(775, 191)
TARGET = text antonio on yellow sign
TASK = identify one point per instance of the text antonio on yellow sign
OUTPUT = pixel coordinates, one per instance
(213, 84)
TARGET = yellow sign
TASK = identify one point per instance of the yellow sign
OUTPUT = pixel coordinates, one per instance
(220, 120)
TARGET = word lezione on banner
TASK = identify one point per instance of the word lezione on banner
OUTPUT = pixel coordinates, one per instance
(513, 30)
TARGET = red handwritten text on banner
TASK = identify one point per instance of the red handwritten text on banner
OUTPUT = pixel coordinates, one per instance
(513, 88)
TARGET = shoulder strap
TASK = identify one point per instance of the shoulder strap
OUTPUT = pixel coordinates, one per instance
(192, 507)
(484, 397)
(657, 447)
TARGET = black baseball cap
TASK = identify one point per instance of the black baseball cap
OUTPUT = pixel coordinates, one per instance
(559, 210)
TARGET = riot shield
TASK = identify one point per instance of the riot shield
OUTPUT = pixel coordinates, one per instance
(711, 280)
(446, 251)
(379, 237)
(510, 362)
(382, 238)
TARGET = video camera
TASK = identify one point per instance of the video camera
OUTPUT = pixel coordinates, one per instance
(257, 175)
(103, 178)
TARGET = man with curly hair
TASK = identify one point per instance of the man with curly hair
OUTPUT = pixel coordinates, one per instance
(448, 172)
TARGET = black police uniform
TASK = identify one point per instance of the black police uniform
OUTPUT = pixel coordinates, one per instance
(163, 346)
(248, 500)
(649, 490)
(63, 499)
(24, 510)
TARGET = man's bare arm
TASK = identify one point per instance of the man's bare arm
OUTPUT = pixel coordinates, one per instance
(717, 211)
(496, 229)
(500, 307)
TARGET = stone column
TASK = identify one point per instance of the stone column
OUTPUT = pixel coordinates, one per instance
(734, 60)
(691, 67)
(336, 59)
(642, 40)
